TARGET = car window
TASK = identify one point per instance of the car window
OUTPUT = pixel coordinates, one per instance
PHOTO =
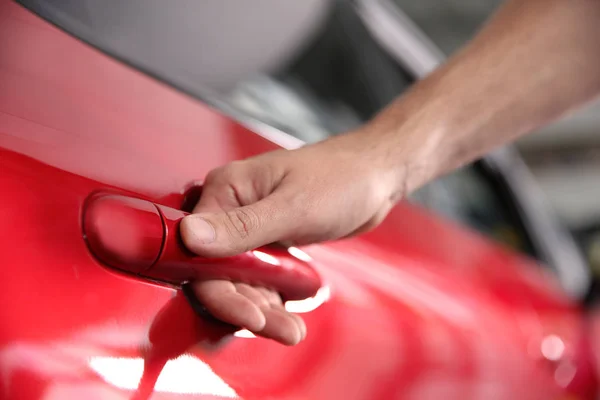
(475, 197)
(448, 23)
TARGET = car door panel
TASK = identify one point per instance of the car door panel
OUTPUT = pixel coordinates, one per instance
(419, 308)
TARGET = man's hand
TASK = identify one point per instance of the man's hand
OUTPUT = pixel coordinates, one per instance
(322, 192)
(534, 61)
(257, 309)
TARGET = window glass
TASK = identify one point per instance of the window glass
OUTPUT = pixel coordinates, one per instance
(449, 23)
(474, 196)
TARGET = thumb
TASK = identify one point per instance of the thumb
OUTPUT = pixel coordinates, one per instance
(231, 232)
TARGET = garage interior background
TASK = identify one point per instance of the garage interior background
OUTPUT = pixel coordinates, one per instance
(565, 156)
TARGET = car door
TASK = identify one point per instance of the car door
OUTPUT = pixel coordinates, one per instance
(419, 308)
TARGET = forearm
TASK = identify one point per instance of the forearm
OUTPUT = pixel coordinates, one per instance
(534, 61)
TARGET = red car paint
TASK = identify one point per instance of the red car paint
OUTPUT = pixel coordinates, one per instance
(137, 236)
(417, 309)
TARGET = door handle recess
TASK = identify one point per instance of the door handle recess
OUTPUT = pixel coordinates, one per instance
(142, 238)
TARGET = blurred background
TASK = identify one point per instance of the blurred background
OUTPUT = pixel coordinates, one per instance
(563, 157)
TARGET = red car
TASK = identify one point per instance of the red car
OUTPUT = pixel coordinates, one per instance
(98, 160)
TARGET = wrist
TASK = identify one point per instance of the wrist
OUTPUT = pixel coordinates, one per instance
(385, 159)
(407, 149)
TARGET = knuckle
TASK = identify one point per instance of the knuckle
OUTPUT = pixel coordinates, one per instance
(234, 169)
(228, 172)
(213, 176)
(225, 173)
(242, 222)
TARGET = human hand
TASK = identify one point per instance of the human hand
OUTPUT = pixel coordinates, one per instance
(325, 191)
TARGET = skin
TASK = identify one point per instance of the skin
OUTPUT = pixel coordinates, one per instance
(534, 61)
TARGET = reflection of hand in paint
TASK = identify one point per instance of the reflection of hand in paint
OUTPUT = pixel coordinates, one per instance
(173, 332)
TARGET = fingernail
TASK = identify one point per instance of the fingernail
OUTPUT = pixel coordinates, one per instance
(202, 230)
(303, 333)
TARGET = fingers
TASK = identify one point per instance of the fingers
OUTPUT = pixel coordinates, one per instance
(230, 222)
(281, 326)
(259, 310)
(222, 300)
(230, 232)
(237, 184)
(216, 195)
(253, 294)
(300, 324)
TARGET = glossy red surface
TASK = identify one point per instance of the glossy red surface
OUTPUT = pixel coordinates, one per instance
(123, 232)
(417, 309)
(139, 237)
(275, 268)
